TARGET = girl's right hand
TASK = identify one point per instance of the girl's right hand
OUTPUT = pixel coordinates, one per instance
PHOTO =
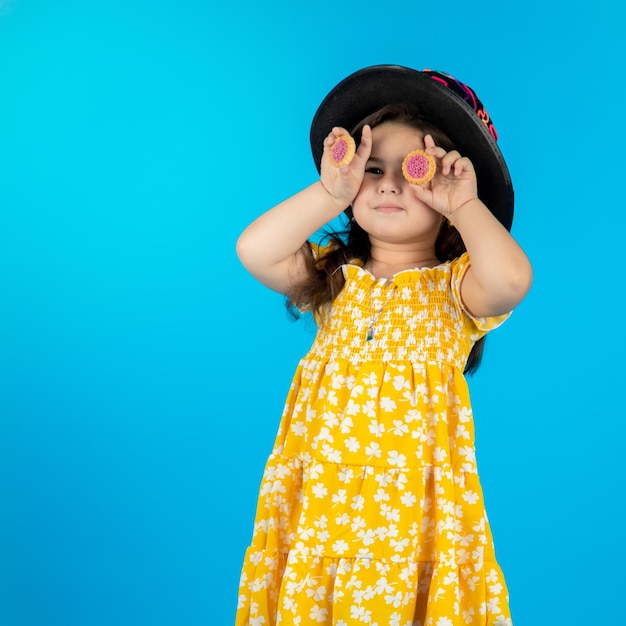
(343, 183)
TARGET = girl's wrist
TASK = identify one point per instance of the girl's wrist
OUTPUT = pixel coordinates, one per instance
(338, 205)
(462, 208)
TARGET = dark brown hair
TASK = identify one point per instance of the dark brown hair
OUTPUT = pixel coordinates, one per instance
(324, 281)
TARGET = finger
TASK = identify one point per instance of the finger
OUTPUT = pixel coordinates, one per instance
(462, 165)
(435, 151)
(429, 142)
(424, 194)
(448, 162)
(365, 147)
(456, 164)
(337, 131)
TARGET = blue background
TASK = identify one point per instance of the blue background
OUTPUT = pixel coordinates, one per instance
(143, 372)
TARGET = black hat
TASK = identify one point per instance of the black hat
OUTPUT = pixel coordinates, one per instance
(442, 100)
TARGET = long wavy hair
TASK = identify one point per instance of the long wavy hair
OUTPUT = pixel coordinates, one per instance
(323, 281)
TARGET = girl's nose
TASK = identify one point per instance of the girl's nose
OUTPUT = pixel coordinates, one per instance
(389, 184)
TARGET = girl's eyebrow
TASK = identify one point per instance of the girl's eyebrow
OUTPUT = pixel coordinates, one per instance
(380, 161)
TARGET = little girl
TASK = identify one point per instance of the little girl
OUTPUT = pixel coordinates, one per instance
(371, 510)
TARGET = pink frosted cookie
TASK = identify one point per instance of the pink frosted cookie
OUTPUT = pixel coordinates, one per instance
(342, 150)
(418, 167)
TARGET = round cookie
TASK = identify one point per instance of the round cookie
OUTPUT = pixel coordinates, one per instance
(342, 150)
(418, 167)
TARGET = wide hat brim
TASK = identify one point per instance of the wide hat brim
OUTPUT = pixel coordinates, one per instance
(369, 89)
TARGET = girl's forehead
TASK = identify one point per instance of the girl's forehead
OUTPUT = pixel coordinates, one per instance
(391, 135)
(396, 128)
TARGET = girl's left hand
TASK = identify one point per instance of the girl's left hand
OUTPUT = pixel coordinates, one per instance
(454, 183)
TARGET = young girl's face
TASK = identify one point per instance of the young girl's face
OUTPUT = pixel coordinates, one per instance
(386, 206)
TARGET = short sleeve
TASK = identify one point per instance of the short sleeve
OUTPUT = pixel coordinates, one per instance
(318, 250)
(482, 325)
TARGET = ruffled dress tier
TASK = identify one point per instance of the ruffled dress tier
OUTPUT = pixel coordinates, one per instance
(370, 509)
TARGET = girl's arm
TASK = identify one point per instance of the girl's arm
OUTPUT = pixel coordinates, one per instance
(273, 247)
(500, 273)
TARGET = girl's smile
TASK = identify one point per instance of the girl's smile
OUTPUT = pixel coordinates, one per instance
(389, 208)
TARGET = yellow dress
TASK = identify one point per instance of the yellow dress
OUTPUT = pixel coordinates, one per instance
(370, 509)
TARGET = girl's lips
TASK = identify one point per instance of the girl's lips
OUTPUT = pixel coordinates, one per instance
(388, 208)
